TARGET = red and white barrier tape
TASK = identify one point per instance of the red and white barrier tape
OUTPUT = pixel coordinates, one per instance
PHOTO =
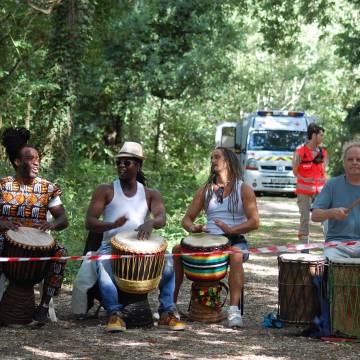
(261, 250)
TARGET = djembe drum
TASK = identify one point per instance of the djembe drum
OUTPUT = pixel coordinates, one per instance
(344, 292)
(18, 302)
(137, 273)
(298, 301)
(205, 263)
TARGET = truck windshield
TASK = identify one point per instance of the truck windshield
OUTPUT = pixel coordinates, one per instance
(276, 140)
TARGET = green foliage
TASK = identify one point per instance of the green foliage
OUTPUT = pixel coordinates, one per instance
(77, 181)
(91, 74)
(80, 177)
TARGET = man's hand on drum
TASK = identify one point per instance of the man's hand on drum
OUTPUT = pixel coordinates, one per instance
(8, 225)
(225, 228)
(145, 230)
(119, 222)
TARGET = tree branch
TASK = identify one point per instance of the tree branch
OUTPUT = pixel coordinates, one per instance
(295, 97)
(44, 11)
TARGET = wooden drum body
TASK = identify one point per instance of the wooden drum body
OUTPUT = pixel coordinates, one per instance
(18, 303)
(27, 242)
(298, 300)
(206, 270)
(141, 271)
(344, 291)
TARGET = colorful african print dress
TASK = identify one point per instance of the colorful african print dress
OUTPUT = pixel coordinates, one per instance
(28, 205)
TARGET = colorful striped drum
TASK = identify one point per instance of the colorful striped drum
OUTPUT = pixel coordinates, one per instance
(205, 267)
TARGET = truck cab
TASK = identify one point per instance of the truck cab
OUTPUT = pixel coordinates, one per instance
(264, 143)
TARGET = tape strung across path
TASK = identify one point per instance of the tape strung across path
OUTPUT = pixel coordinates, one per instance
(261, 250)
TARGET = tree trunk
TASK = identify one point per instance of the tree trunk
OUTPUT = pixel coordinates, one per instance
(158, 133)
(28, 116)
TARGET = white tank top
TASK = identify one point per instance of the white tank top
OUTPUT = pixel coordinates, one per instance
(135, 208)
(216, 210)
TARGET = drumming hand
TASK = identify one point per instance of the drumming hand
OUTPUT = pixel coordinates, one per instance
(120, 221)
(8, 225)
(145, 230)
(340, 213)
(225, 228)
(46, 226)
(197, 228)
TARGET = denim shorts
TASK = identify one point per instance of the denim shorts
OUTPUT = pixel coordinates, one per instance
(243, 246)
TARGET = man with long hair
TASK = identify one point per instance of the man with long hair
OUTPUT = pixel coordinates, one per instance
(125, 205)
(231, 210)
(25, 200)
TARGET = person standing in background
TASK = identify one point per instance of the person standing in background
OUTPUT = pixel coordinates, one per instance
(309, 165)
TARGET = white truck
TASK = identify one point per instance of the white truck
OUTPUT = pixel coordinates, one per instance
(265, 142)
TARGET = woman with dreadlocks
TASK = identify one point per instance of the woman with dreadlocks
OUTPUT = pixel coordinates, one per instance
(25, 200)
(231, 211)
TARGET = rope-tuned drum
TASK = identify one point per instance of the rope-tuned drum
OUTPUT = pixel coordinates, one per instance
(344, 291)
(18, 303)
(205, 262)
(298, 300)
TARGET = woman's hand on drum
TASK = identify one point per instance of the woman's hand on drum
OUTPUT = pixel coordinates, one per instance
(8, 225)
(44, 226)
(197, 228)
(225, 228)
(145, 230)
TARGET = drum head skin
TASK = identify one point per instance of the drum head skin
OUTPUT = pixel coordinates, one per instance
(30, 237)
(127, 241)
(302, 257)
(345, 261)
(205, 241)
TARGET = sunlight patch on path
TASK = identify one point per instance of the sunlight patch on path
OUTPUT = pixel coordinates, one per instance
(262, 270)
(46, 353)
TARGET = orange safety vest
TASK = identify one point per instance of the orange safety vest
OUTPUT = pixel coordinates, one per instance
(311, 171)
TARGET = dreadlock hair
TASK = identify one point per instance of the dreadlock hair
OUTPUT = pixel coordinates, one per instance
(14, 140)
(140, 176)
(233, 165)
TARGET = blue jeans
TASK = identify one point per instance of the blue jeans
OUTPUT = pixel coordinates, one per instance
(109, 293)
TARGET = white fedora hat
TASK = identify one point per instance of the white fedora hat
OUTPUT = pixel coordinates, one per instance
(131, 149)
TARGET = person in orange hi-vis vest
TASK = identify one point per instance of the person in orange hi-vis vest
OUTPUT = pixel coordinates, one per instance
(309, 164)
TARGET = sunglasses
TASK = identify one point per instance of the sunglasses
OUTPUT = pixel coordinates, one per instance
(127, 162)
(220, 194)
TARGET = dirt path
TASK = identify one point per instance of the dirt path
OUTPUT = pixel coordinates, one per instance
(74, 339)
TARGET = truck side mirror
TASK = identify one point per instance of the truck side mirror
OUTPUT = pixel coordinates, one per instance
(237, 148)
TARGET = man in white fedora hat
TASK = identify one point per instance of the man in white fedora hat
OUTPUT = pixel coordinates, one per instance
(125, 205)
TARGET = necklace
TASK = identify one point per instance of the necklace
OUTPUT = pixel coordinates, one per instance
(226, 183)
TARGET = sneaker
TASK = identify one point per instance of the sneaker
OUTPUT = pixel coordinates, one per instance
(40, 316)
(156, 316)
(169, 321)
(234, 318)
(115, 323)
(176, 312)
